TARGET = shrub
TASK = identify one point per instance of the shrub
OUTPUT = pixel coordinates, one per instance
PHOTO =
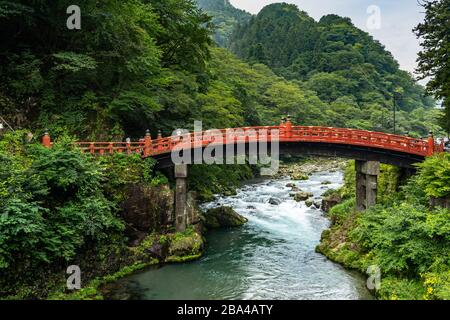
(52, 204)
(434, 175)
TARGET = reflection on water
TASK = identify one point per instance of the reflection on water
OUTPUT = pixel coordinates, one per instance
(272, 257)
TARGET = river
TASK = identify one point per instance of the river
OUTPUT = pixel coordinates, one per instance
(272, 257)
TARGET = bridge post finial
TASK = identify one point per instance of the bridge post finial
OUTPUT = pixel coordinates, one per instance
(147, 143)
(430, 144)
(46, 140)
(288, 126)
(160, 146)
(282, 126)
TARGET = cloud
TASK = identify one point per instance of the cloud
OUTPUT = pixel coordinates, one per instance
(398, 18)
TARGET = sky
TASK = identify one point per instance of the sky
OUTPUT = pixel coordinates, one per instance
(389, 21)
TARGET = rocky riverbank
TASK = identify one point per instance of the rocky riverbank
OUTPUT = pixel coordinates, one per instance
(302, 169)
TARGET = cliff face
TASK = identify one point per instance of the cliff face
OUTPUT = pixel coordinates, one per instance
(146, 208)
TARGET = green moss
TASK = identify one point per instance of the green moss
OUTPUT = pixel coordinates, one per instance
(208, 180)
(184, 246)
(182, 259)
(91, 290)
(299, 176)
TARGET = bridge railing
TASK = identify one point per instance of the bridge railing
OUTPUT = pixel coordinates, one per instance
(282, 133)
(359, 137)
(103, 148)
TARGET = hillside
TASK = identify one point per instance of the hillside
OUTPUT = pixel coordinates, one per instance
(225, 18)
(341, 63)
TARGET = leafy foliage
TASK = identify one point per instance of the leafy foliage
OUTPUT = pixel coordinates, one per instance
(52, 204)
(408, 240)
(103, 79)
(56, 204)
(433, 60)
(225, 18)
(209, 180)
(434, 176)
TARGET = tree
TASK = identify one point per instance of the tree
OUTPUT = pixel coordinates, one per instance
(444, 120)
(434, 60)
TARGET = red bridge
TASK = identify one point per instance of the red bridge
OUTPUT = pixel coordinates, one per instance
(350, 143)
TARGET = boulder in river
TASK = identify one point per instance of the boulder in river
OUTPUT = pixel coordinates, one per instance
(223, 217)
(309, 202)
(290, 185)
(275, 201)
(326, 182)
(302, 196)
(317, 204)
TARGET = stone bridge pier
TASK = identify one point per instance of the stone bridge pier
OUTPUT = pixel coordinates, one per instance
(367, 173)
(181, 174)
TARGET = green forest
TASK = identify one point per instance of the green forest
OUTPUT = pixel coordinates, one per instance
(162, 64)
(140, 68)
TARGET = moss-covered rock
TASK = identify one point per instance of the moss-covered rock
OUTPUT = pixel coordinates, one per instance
(223, 217)
(185, 246)
(299, 176)
(330, 201)
(173, 247)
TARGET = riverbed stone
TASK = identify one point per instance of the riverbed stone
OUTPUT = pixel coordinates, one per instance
(223, 217)
(274, 201)
(302, 196)
(290, 185)
(309, 202)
